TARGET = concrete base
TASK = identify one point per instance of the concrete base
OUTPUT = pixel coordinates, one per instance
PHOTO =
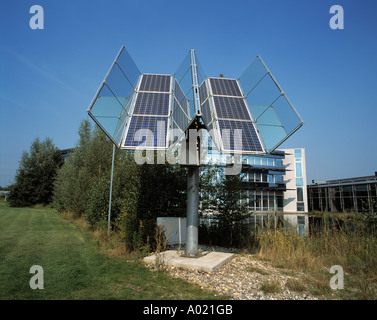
(207, 261)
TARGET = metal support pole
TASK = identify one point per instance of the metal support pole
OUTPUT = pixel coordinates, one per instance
(111, 191)
(192, 211)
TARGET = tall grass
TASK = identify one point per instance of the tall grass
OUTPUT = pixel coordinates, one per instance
(353, 249)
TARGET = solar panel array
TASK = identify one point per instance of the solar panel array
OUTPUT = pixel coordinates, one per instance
(149, 118)
(232, 117)
(155, 82)
(225, 87)
(152, 103)
(137, 133)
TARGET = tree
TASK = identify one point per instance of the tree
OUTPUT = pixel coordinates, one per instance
(163, 190)
(224, 198)
(86, 168)
(140, 193)
(36, 174)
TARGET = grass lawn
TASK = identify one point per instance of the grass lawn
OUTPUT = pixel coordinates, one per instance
(73, 266)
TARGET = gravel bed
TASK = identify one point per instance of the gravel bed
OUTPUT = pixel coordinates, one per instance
(244, 277)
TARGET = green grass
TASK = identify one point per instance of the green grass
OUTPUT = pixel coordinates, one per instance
(295, 285)
(314, 254)
(270, 287)
(73, 266)
(254, 269)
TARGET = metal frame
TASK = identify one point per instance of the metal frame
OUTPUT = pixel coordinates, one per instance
(195, 85)
(196, 97)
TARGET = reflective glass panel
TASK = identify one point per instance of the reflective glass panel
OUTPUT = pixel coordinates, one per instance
(274, 116)
(111, 106)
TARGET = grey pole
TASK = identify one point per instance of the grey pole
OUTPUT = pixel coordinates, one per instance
(111, 191)
(192, 211)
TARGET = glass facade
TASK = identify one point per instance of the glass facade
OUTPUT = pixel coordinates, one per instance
(262, 176)
(299, 180)
(346, 195)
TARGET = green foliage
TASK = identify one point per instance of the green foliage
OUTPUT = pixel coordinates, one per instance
(139, 193)
(84, 173)
(98, 201)
(162, 191)
(368, 216)
(35, 175)
(224, 200)
(127, 225)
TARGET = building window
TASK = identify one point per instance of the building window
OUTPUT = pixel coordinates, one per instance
(271, 202)
(298, 153)
(258, 202)
(300, 206)
(298, 169)
(300, 194)
(278, 162)
(301, 225)
(299, 182)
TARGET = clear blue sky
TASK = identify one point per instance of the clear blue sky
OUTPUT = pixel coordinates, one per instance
(48, 77)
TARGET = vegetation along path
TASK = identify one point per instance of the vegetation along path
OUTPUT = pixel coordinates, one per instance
(73, 266)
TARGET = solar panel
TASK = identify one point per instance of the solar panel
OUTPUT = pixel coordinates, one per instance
(128, 101)
(152, 103)
(235, 127)
(155, 82)
(248, 140)
(155, 137)
(149, 118)
(231, 108)
(225, 87)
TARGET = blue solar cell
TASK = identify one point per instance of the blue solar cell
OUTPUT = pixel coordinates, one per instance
(155, 82)
(225, 87)
(247, 140)
(231, 108)
(237, 129)
(152, 103)
(154, 136)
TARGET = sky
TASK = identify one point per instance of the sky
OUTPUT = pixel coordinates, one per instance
(49, 76)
